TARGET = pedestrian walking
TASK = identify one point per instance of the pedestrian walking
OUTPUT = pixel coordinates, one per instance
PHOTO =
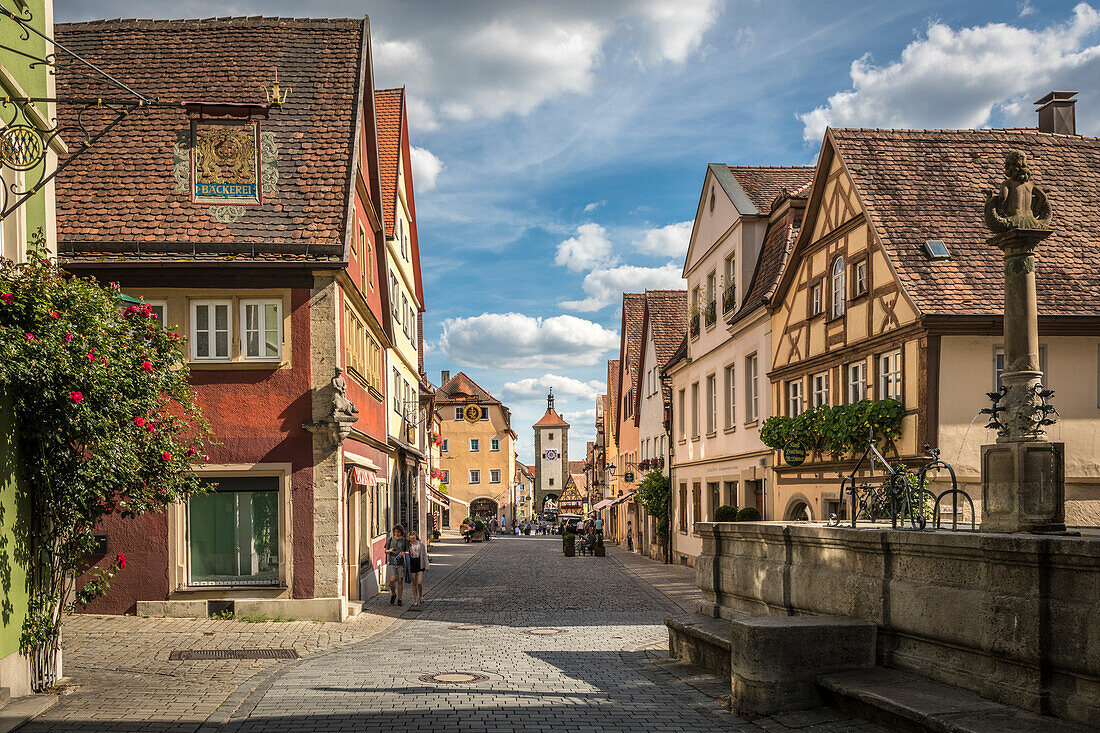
(418, 565)
(598, 525)
(629, 536)
(397, 555)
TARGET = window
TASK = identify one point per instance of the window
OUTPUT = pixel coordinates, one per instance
(475, 445)
(752, 390)
(729, 288)
(458, 414)
(683, 423)
(729, 493)
(233, 532)
(999, 365)
(715, 497)
(712, 404)
(696, 505)
(695, 410)
(494, 444)
(210, 330)
(731, 396)
(484, 413)
(446, 476)
(551, 482)
(159, 309)
(859, 278)
(404, 314)
(398, 384)
(683, 508)
(446, 445)
(394, 292)
(889, 376)
(794, 398)
(549, 436)
(475, 476)
(857, 382)
(821, 389)
(838, 287)
(261, 329)
(494, 475)
(816, 304)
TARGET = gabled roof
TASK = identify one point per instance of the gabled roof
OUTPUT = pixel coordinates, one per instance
(630, 343)
(576, 467)
(125, 191)
(551, 419)
(753, 188)
(678, 355)
(920, 185)
(460, 388)
(666, 319)
(774, 253)
(613, 394)
(390, 107)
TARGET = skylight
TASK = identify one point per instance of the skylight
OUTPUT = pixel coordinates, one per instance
(936, 250)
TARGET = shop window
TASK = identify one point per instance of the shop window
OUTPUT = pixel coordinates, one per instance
(261, 329)
(211, 330)
(233, 532)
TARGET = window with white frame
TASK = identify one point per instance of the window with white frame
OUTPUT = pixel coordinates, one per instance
(475, 476)
(712, 404)
(683, 420)
(794, 398)
(695, 410)
(446, 476)
(857, 382)
(458, 414)
(838, 292)
(889, 376)
(752, 389)
(731, 395)
(859, 278)
(815, 300)
(159, 310)
(475, 445)
(484, 413)
(494, 475)
(211, 330)
(494, 444)
(821, 389)
(261, 329)
(446, 445)
(398, 384)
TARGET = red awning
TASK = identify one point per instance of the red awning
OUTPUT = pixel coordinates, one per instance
(363, 477)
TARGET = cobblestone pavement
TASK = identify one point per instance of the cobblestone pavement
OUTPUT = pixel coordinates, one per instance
(121, 678)
(520, 638)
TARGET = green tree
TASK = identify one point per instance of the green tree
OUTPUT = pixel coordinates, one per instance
(654, 493)
(106, 425)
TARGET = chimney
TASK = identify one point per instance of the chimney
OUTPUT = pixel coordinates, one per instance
(1057, 113)
(446, 376)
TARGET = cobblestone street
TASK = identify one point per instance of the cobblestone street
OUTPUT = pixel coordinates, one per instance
(513, 636)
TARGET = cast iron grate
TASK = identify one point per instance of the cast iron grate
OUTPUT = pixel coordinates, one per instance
(544, 632)
(453, 678)
(468, 627)
(194, 654)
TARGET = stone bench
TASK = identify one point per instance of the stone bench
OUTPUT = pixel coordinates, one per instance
(702, 641)
(776, 660)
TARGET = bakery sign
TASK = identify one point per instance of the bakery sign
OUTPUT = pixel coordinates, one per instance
(225, 162)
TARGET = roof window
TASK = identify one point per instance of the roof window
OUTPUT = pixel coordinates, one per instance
(936, 250)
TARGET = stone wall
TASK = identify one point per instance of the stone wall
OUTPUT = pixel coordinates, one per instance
(1015, 618)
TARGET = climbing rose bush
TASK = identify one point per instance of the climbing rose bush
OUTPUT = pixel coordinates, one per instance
(106, 424)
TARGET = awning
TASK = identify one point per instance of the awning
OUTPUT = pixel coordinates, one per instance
(624, 497)
(442, 504)
(603, 504)
(363, 477)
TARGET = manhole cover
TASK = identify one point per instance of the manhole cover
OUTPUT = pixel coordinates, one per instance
(544, 632)
(468, 627)
(185, 654)
(453, 678)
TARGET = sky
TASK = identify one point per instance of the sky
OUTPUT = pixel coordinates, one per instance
(560, 145)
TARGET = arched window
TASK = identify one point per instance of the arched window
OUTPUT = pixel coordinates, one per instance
(838, 287)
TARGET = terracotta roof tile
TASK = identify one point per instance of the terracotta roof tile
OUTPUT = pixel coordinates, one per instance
(678, 355)
(613, 391)
(666, 316)
(389, 104)
(633, 312)
(920, 185)
(551, 419)
(764, 183)
(125, 189)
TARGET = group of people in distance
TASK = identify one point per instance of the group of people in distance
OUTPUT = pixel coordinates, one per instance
(406, 562)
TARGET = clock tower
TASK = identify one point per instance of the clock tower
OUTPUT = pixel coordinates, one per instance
(551, 459)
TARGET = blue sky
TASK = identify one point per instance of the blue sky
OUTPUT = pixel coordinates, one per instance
(560, 146)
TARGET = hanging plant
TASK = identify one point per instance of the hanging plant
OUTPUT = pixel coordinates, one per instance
(837, 431)
(105, 425)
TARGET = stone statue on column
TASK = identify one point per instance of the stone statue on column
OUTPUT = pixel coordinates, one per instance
(1023, 475)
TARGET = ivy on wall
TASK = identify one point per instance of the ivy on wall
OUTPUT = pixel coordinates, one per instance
(838, 431)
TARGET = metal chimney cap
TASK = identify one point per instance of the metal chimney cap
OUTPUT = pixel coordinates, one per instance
(1057, 97)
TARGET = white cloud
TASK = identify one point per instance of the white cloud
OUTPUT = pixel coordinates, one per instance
(590, 207)
(679, 25)
(959, 78)
(426, 168)
(538, 387)
(588, 250)
(605, 287)
(1026, 8)
(517, 341)
(666, 241)
(583, 418)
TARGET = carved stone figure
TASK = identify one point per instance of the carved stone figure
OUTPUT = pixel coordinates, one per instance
(343, 410)
(1019, 203)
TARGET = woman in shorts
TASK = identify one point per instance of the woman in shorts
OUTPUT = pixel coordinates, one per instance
(418, 565)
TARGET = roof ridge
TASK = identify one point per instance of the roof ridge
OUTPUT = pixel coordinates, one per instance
(224, 20)
(982, 130)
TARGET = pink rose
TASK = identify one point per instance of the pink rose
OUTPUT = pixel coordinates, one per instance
(139, 421)
(54, 314)
(121, 560)
(91, 356)
(166, 455)
(68, 337)
(192, 450)
(147, 366)
(7, 298)
(76, 396)
(29, 337)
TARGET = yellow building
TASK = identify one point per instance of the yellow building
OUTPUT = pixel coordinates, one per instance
(891, 291)
(478, 452)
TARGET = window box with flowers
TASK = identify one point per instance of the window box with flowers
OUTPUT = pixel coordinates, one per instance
(694, 324)
(729, 297)
(711, 313)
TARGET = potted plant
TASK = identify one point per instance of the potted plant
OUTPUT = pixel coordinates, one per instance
(597, 548)
(568, 544)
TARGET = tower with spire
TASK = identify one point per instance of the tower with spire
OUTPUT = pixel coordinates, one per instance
(551, 458)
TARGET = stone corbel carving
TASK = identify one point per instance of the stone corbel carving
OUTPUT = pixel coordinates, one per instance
(341, 419)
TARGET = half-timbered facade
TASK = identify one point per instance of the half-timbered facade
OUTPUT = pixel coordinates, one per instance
(892, 292)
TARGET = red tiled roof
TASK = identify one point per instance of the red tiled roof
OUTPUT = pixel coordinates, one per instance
(551, 420)
(678, 355)
(460, 387)
(666, 318)
(633, 312)
(389, 105)
(576, 467)
(763, 183)
(613, 393)
(920, 185)
(125, 190)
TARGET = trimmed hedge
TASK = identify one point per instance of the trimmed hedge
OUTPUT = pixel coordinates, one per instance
(725, 513)
(748, 514)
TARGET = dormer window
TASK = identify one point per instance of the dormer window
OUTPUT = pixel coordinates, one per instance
(838, 291)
